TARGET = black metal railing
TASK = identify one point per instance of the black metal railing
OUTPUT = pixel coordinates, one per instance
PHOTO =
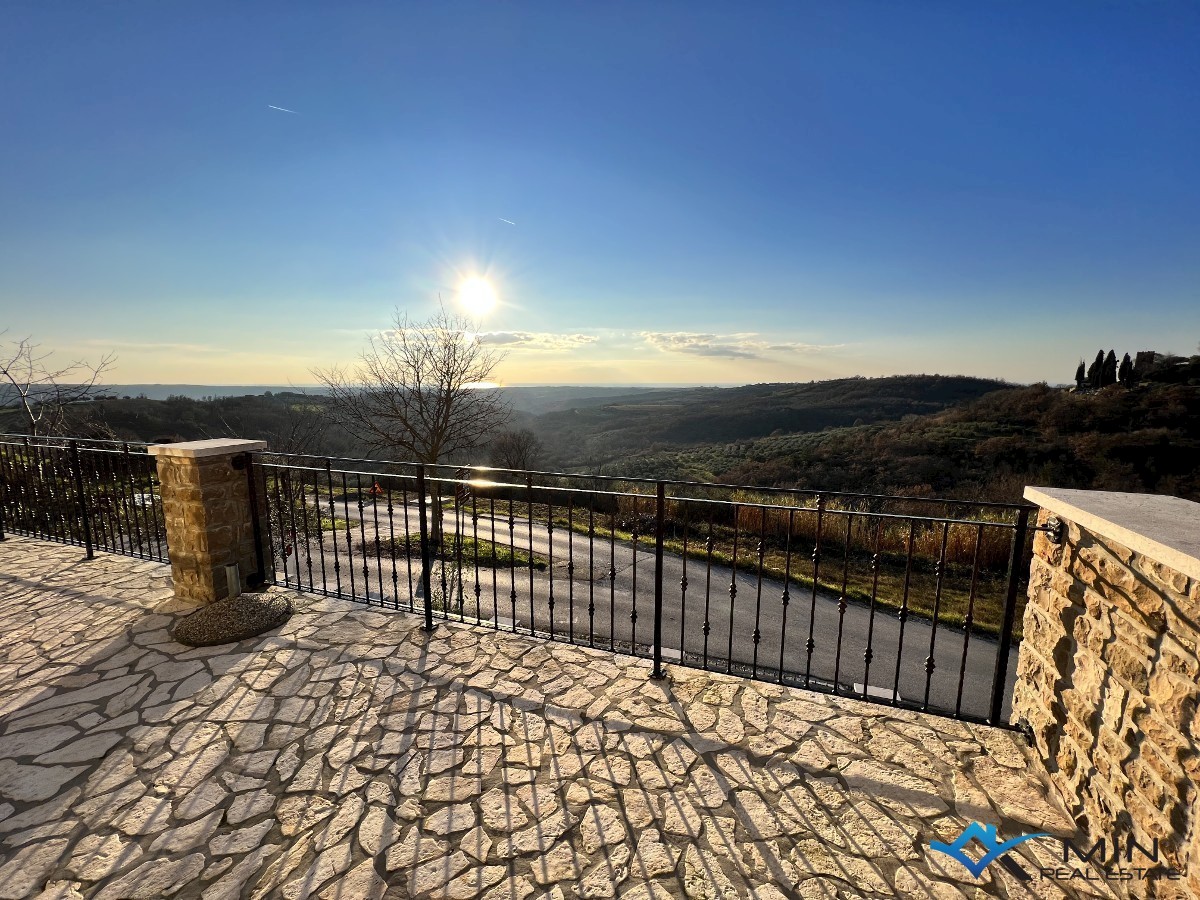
(99, 495)
(911, 602)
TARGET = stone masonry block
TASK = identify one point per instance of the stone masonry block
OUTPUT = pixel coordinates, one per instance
(1109, 677)
(207, 514)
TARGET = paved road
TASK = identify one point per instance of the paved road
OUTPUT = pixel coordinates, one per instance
(597, 587)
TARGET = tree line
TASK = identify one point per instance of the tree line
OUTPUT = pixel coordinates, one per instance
(1105, 370)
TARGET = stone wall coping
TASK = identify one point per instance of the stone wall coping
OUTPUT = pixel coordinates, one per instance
(1166, 529)
(213, 447)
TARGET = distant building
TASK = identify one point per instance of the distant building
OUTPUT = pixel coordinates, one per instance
(1143, 362)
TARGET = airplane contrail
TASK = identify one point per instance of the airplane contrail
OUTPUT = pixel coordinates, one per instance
(281, 109)
(509, 221)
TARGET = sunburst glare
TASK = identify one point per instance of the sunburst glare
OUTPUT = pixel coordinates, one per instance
(477, 296)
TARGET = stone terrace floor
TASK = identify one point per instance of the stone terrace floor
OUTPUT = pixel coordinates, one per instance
(351, 755)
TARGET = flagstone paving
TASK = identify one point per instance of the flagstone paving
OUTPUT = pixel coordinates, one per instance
(350, 755)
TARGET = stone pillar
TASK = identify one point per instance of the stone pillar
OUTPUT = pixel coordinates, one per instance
(1107, 678)
(209, 521)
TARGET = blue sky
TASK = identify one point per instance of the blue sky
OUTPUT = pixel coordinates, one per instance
(702, 192)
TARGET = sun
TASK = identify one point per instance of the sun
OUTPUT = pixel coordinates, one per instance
(477, 296)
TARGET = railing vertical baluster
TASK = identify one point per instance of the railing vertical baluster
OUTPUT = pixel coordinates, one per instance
(304, 524)
(120, 506)
(571, 567)
(320, 531)
(34, 505)
(105, 539)
(837, 663)
(256, 526)
(592, 573)
(529, 514)
(902, 615)
(46, 482)
(512, 563)
(391, 514)
(349, 534)
(733, 584)
(968, 620)
(146, 486)
(1015, 564)
(279, 512)
(85, 514)
(756, 637)
(811, 645)
(160, 516)
(612, 580)
(3, 487)
(683, 579)
(378, 542)
(868, 651)
(412, 600)
(12, 494)
(138, 520)
(8, 496)
(262, 543)
(660, 517)
(438, 521)
(65, 488)
(787, 584)
(337, 557)
(362, 537)
(289, 489)
(633, 613)
(708, 552)
(940, 571)
(495, 566)
(426, 562)
(550, 555)
(459, 487)
(475, 544)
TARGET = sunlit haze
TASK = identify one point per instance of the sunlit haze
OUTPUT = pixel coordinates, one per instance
(229, 193)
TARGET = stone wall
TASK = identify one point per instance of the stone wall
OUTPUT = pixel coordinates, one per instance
(1107, 681)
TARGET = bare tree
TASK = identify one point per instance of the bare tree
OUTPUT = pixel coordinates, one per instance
(415, 390)
(519, 449)
(302, 430)
(42, 391)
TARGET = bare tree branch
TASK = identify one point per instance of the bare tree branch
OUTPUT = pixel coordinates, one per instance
(415, 390)
(42, 392)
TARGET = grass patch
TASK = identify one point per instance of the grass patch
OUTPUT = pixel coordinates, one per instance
(487, 554)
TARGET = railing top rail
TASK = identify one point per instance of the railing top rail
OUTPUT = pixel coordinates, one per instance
(11, 437)
(479, 476)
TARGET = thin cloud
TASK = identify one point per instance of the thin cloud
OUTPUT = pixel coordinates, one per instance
(150, 345)
(509, 221)
(281, 109)
(536, 340)
(742, 345)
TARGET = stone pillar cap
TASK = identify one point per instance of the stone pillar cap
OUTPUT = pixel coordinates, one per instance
(1164, 528)
(214, 447)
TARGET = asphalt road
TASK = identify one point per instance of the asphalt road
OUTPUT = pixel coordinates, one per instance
(598, 587)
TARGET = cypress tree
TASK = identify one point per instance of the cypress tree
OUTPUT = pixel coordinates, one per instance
(1080, 377)
(1095, 369)
(1109, 372)
(1125, 373)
